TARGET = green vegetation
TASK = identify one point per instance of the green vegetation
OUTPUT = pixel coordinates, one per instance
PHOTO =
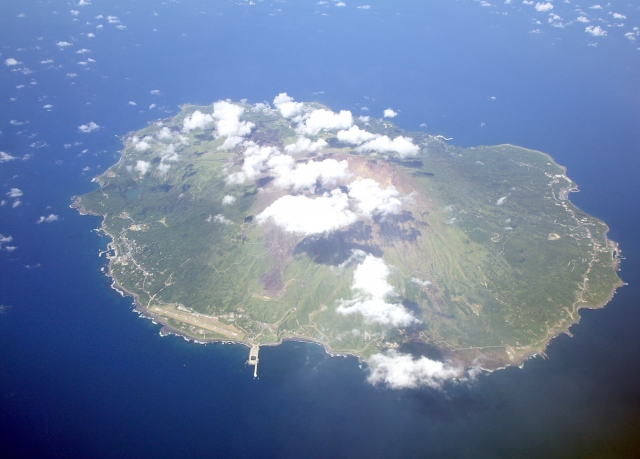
(504, 257)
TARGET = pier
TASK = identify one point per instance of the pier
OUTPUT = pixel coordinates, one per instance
(253, 359)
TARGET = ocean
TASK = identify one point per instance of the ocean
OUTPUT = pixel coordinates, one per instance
(82, 376)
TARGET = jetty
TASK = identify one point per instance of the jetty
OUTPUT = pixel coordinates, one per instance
(253, 359)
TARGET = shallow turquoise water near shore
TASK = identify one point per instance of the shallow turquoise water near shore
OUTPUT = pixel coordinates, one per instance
(81, 376)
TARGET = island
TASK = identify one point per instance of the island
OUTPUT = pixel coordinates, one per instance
(258, 223)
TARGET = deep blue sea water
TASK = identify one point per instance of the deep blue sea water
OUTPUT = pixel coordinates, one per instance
(82, 376)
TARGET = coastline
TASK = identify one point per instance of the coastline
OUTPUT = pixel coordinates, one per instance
(455, 354)
(167, 329)
(489, 358)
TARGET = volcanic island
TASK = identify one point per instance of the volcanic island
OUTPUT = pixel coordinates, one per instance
(258, 223)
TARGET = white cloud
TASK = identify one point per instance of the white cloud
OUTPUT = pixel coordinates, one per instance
(6, 157)
(370, 277)
(544, 7)
(142, 166)
(305, 176)
(255, 157)
(24, 71)
(303, 215)
(47, 61)
(372, 292)
(280, 164)
(596, 31)
(341, 4)
(527, 2)
(163, 167)
(83, 3)
(11, 61)
(74, 12)
(583, 19)
(390, 113)
(401, 145)
(64, 44)
(228, 116)
(420, 282)
(231, 142)
(155, 92)
(83, 51)
(554, 17)
(228, 200)
(355, 135)
(49, 219)
(164, 134)
(306, 145)
(619, 16)
(142, 146)
(197, 120)
(322, 119)
(259, 106)
(595, 7)
(630, 35)
(402, 371)
(287, 107)
(501, 201)
(16, 203)
(87, 128)
(91, 35)
(364, 7)
(4, 239)
(220, 219)
(168, 154)
(15, 193)
(113, 19)
(372, 200)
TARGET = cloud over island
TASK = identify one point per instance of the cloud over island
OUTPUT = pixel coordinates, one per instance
(403, 371)
(321, 196)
